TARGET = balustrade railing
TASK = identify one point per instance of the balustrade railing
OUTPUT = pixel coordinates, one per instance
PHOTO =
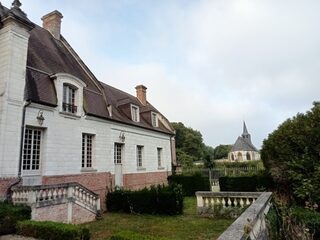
(45, 195)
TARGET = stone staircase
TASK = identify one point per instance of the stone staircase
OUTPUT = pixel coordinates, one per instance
(68, 202)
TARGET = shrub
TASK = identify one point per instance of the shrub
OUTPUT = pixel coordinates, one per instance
(291, 155)
(52, 230)
(245, 183)
(191, 184)
(10, 215)
(308, 218)
(156, 200)
(127, 235)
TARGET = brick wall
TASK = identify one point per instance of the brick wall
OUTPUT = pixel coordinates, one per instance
(5, 183)
(99, 183)
(59, 213)
(140, 180)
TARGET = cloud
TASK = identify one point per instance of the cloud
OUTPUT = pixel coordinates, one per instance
(208, 63)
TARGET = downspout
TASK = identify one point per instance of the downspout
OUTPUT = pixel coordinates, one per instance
(23, 120)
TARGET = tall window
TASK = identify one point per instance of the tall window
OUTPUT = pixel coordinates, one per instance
(159, 155)
(154, 119)
(68, 104)
(118, 153)
(31, 149)
(135, 113)
(139, 156)
(87, 150)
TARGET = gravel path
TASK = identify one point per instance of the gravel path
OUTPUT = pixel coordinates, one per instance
(15, 237)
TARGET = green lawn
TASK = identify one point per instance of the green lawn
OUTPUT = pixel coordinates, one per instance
(186, 226)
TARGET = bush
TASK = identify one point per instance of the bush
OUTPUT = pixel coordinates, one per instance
(191, 184)
(52, 230)
(245, 183)
(291, 155)
(308, 218)
(127, 235)
(10, 215)
(166, 200)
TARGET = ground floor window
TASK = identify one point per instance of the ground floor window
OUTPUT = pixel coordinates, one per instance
(118, 153)
(139, 155)
(87, 141)
(31, 149)
(159, 155)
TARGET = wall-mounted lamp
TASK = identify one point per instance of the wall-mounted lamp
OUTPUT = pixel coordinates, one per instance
(122, 137)
(40, 117)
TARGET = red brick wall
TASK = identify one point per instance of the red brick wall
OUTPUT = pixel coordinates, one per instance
(99, 183)
(5, 183)
(81, 215)
(56, 213)
(140, 180)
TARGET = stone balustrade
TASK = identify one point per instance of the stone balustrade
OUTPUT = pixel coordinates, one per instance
(48, 195)
(251, 223)
(210, 200)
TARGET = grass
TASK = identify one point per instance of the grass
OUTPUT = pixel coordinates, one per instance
(186, 226)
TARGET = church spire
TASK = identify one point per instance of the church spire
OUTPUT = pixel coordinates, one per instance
(245, 135)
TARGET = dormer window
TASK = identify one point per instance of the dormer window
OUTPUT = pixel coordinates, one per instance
(135, 113)
(154, 119)
(69, 93)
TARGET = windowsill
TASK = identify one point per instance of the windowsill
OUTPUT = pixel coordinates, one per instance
(88, 170)
(70, 115)
(161, 168)
(141, 169)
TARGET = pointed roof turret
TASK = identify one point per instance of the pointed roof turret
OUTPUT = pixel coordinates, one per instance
(245, 131)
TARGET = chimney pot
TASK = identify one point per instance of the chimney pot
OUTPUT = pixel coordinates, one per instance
(52, 23)
(142, 94)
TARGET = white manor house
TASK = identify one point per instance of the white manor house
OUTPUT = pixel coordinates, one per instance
(60, 124)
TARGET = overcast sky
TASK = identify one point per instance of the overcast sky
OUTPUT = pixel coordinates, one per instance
(207, 63)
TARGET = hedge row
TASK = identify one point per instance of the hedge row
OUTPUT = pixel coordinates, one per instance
(52, 230)
(191, 184)
(166, 200)
(246, 183)
(10, 215)
(127, 235)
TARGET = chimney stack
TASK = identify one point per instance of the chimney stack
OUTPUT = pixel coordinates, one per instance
(52, 23)
(142, 94)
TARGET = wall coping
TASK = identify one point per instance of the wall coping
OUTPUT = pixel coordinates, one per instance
(253, 213)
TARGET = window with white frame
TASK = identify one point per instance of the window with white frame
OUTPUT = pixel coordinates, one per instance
(118, 153)
(154, 119)
(87, 147)
(139, 156)
(135, 113)
(69, 95)
(31, 149)
(159, 156)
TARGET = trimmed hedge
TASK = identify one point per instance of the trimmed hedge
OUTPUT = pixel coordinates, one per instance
(191, 184)
(127, 235)
(10, 215)
(245, 183)
(52, 230)
(166, 200)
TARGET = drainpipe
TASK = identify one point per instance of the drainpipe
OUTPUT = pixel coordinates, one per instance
(9, 191)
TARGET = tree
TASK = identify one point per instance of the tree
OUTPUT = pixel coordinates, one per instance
(291, 154)
(222, 151)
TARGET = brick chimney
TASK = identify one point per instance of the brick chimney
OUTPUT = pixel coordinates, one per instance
(52, 23)
(142, 94)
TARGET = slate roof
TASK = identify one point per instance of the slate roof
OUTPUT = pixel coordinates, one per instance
(48, 56)
(242, 145)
